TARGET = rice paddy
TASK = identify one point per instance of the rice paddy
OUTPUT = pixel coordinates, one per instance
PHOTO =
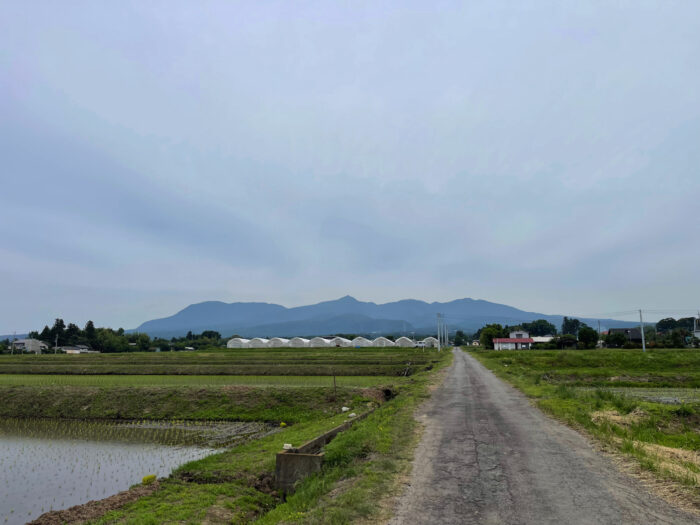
(47, 465)
(192, 380)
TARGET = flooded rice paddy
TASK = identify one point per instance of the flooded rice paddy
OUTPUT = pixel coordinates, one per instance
(54, 464)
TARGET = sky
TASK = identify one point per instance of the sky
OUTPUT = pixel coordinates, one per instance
(544, 155)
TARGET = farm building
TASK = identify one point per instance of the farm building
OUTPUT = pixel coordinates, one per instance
(238, 342)
(361, 342)
(319, 342)
(405, 342)
(30, 345)
(259, 342)
(383, 341)
(430, 342)
(518, 340)
(340, 341)
(542, 338)
(278, 342)
(298, 342)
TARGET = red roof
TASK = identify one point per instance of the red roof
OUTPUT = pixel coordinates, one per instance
(513, 340)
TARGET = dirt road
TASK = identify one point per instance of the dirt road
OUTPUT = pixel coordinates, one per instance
(489, 457)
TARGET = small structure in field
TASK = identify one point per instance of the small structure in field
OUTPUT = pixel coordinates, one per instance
(542, 338)
(78, 349)
(238, 342)
(319, 342)
(518, 340)
(298, 342)
(430, 342)
(278, 342)
(476, 342)
(341, 341)
(259, 342)
(382, 342)
(404, 342)
(361, 342)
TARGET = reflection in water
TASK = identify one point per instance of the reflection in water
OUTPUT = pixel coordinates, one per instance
(49, 464)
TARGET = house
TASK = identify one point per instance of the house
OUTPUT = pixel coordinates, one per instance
(518, 340)
(30, 345)
(430, 342)
(238, 342)
(405, 342)
(696, 327)
(78, 349)
(542, 338)
(634, 335)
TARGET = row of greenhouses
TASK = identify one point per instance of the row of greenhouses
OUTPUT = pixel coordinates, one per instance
(326, 342)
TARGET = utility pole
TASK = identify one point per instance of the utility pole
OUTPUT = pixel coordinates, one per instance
(641, 327)
(439, 335)
(55, 346)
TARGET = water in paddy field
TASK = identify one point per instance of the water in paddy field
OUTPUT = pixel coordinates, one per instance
(52, 465)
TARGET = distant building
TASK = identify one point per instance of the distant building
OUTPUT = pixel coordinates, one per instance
(382, 342)
(634, 335)
(298, 342)
(238, 342)
(430, 342)
(696, 327)
(30, 345)
(405, 342)
(278, 342)
(518, 340)
(340, 341)
(78, 349)
(542, 338)
(361, 342)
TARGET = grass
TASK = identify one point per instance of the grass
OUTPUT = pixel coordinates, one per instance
(250, 362)
(360, 464)
(642, 404)
(191, 380)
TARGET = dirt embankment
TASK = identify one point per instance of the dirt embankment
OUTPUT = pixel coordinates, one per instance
(94, 509)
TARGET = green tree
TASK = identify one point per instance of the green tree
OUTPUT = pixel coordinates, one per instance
(666, 325)
(58, 330)
(540, 327)
(587, 336)
(90, 333)
(45, 335)
(570, 326)
(460, 338)
(73, 334)
(615, 340)
(489, 332)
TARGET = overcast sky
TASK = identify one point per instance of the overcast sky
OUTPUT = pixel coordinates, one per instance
(545, 155)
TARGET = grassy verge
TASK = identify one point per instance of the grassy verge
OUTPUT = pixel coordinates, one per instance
(663, 437)
(234, 486)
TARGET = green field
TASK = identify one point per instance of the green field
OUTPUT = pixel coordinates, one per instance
(247, 362)
(644, 405)
(193, 380)
(291, 390)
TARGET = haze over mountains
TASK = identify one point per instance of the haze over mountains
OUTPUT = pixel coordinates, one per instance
(344, 315)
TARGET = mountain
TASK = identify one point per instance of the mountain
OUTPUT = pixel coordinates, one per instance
(345, 315)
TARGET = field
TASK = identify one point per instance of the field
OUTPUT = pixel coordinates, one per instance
(291, 391)
(248, 362)
(193, 380)
(643, 405)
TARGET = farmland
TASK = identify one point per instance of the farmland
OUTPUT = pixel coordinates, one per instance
(643, 405)
(290, 395)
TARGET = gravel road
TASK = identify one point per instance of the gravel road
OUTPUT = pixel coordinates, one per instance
(489, 457)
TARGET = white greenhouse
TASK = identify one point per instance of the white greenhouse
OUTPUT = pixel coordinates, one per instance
(298, 342)
(383, 341)
(405, 342)
(361, 342)
(259, 342)
(278, 342)
(340, 341)
(238, 342)
(319, 342)
(430, 342)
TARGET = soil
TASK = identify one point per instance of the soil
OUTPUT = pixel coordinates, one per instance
(94, 509)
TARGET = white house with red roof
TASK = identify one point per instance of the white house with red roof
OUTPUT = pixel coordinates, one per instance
(518, 340)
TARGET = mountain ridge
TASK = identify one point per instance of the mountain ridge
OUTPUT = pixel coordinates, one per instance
(345, 315)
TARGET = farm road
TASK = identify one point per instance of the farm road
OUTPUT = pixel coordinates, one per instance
(489, 457)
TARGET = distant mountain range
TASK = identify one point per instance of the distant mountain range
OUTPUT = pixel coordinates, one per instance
(345, 315)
